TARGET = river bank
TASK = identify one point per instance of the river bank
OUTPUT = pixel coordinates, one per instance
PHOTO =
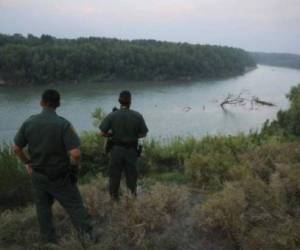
(96, 79)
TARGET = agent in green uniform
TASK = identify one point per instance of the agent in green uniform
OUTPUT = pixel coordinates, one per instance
(53, 149)
(125, 126)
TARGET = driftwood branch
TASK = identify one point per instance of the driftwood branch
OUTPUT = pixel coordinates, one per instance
(241, 100)
(234, 100)
(261, 102)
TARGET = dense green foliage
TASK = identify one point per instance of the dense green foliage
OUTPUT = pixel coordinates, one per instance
(15, 185)
(288, 121)
(277, 59)
(47, 59)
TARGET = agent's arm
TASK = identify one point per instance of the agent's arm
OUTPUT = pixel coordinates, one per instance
(105, 127)
(20, 154)
(75, 155)
(20, 142)
(72, 143)
(143, 130)
(23, 158)
(106, 134)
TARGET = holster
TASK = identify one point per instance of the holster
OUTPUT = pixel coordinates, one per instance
(54, 174)
(126, 144)
(74, 172)
(109, 145)
(139, 150)
(131, 144)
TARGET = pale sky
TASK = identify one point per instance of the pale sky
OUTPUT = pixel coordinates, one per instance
(255, 25)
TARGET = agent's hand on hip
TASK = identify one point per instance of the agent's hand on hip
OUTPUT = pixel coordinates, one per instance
(29, 169)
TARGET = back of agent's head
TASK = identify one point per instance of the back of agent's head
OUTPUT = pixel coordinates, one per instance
(51, 98)
(125, 98)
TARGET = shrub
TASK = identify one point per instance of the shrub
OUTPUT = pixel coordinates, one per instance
(256, 214)
(225, 211)
(96, 196)
(208, 171)
(173, 154)
(98, 115)
(15, 185)
(165, 157)
(152, 220)
(94, 160)
(264, 159)
(14, 227)
(287, 122)
(152, 212)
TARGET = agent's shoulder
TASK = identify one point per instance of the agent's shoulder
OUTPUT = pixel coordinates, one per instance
(136, 113)
(32, 118)
(112, 114)
(63, 120)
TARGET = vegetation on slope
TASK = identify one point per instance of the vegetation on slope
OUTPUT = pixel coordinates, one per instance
(251, 204)
(47, 59)
(15, 186)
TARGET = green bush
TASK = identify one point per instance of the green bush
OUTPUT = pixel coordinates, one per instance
(264, 160)
(224, 212)
(214, 159)
(15, 185)
(98, 115)
(173, 154)
(208, 171)
(288, 121)
(254, 213)
(14, 227)
(94, 159)
(164, 157)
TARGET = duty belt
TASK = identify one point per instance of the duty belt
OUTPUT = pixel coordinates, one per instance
(52, 174)
(131, 144)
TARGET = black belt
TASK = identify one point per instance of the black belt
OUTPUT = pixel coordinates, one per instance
(51, 174)
(126, 144)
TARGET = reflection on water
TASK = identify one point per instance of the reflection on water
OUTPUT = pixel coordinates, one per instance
(170, 108)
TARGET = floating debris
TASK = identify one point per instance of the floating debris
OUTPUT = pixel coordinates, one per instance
(242, 100)
(261, 102)
(186, 109)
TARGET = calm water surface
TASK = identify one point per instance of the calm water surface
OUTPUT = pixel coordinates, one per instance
(170, 109)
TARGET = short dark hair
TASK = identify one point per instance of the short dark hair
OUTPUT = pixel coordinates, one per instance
(125, 97)
(51, 98)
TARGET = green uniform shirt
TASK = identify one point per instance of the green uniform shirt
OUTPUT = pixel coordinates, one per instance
(49, 138)
(125, 125)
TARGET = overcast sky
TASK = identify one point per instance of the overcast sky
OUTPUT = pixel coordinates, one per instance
(256, 25)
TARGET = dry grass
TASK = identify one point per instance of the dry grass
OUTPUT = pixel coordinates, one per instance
(158, 219)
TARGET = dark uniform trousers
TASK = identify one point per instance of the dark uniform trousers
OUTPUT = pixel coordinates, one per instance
(67, 194)
(122, 159)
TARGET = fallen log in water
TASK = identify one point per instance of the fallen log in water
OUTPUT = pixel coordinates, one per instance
(242, 100)
(261, 102)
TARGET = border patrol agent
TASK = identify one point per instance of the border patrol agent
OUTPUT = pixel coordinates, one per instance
(53, 148)
(125, 127)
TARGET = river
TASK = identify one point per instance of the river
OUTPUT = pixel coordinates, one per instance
(170, 108)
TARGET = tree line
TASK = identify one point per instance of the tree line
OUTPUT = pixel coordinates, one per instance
(47, 59)
(277, 59)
